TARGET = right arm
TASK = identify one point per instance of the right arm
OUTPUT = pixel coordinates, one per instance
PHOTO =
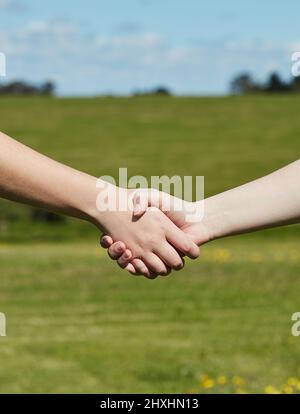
(273, 200)
(29, 177)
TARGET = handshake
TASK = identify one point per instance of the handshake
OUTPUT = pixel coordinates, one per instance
(151, 237)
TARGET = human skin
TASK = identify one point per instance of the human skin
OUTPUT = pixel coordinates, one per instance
(31, 178)
(271, 201)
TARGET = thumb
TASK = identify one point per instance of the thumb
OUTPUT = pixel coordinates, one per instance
(140, 202)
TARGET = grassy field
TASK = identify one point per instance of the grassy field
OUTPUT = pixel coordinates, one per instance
(228, 140)
(76, 323)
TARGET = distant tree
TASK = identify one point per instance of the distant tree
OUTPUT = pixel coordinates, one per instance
(18, 88)
(275, 84)
(243, 84)
(47, 88)
(295, 85)
(161, 90)
(24, 88)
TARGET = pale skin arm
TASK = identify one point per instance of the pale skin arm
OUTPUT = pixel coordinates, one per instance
(271, 201)
(31, 178)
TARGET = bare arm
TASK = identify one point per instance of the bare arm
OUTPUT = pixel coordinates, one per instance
(29, 177)
(32, 178)
(270, 201)
(273, 200)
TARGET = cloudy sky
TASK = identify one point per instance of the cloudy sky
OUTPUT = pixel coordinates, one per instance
(117, 46)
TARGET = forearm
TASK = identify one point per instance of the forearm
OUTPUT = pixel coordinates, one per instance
(31, 178)
(273, 200)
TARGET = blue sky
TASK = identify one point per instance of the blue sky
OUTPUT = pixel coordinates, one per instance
(117, 46)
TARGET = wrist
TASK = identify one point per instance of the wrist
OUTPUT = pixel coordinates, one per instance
(85, 200)
(214, 223)
(108, 199)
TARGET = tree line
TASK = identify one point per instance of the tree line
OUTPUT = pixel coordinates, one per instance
(242, 84)
(25, 88)
(245, 84)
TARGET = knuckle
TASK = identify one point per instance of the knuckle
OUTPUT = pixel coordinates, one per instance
(194, 252)
(191, 249)
(117, 246)
(187, 246)
(111, 255)
(121, 264)
(127, 255)
(155, 213)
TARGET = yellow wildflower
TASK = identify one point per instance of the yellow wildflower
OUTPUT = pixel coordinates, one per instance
(222, 380)
(269, 389)
(287, 389)
(223, 255)
(292, 382)
(208, 383)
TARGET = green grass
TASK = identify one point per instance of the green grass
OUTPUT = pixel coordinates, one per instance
(76, 323)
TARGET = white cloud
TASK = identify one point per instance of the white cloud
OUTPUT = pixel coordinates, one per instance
(142, 40)
(56, 27)
(79, 60)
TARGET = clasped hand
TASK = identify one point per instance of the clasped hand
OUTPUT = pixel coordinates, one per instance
(148, 241)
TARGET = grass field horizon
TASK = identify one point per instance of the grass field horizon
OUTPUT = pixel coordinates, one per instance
(76, 323)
